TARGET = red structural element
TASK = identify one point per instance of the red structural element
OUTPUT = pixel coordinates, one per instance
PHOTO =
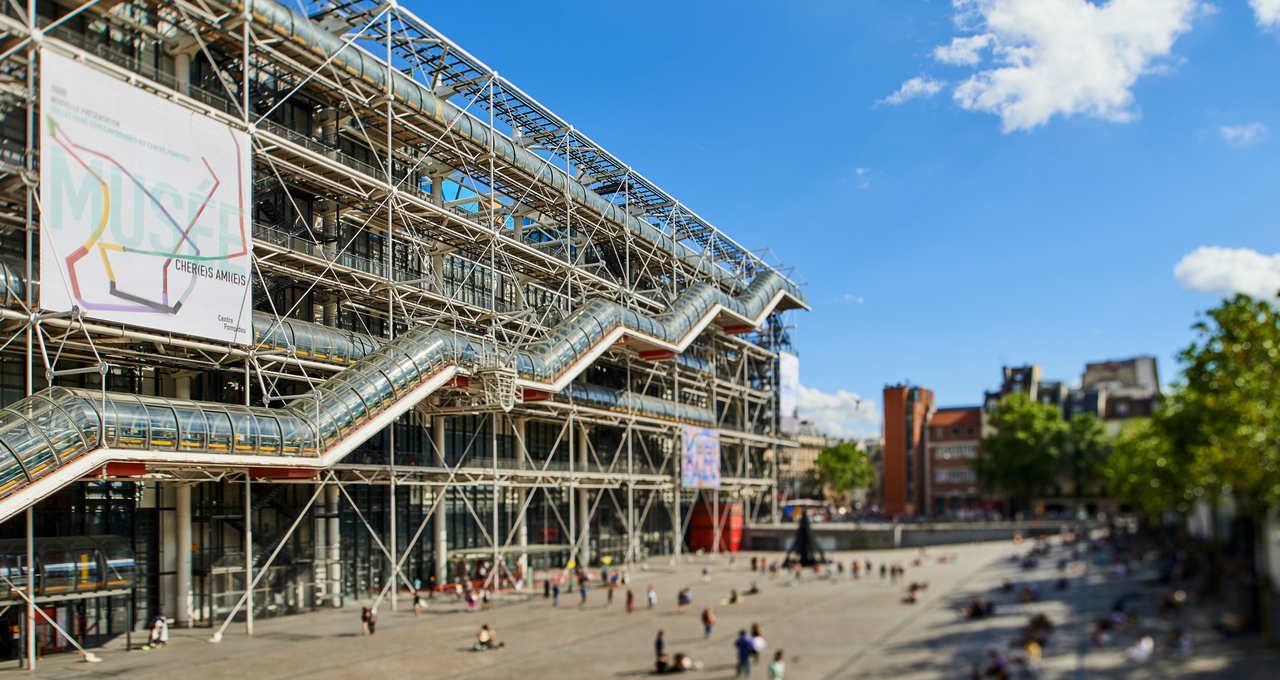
(657, 355)
(458, 381)
(281, 473)
(702, 528)
(119, 470)
(535, 395)
(737, 330)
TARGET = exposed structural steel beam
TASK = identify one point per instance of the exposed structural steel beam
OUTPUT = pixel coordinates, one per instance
(468, 233)
(452, 70)
(346, 55)
(58, 436)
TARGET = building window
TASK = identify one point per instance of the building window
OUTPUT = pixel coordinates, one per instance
(957, 452)
(955, 476)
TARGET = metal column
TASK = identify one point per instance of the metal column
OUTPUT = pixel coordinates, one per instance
(632, 548)
(573, 496)
(522, 493)
(677, 522)
(440, 546)
(320, 553)
(182, 535)
(584, 503)
(182, 544)
(334, 544)
(248, 551)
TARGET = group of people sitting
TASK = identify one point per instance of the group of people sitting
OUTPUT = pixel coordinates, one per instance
(680, 664)
(979, 608)
(913, 590)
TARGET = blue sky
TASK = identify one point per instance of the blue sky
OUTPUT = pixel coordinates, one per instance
(1027, 198)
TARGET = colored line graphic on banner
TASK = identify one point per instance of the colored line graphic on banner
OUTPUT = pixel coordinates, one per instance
(104, 248)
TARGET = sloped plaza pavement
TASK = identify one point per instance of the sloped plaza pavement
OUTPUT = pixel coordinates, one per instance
(829, 628)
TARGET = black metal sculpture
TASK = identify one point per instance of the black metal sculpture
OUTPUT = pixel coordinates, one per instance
(806, 549)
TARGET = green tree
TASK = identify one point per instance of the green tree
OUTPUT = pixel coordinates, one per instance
(1147, 470)
(1085, 446)
(1232, 382)
(844, 467)
(1021, 456)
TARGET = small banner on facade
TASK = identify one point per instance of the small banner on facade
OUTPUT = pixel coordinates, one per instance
(700, 464)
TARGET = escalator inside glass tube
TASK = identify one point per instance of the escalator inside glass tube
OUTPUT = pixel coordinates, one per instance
(50, 430)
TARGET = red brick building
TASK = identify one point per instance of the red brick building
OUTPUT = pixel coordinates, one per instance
(953, 440)
(902, 482)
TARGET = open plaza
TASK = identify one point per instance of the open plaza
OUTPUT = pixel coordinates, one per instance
(328, 351)
(837, 627)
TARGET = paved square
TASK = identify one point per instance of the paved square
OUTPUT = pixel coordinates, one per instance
(829, 629)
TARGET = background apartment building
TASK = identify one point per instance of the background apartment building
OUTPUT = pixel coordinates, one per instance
(952, 442)
(906, 416)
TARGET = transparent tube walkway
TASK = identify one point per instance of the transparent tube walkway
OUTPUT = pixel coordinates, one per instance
(58, 435)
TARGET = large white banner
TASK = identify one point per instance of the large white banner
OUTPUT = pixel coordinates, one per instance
(700, 463)
(788, 392)
(144, 207)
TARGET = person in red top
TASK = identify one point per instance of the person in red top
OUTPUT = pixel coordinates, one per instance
(708, 620)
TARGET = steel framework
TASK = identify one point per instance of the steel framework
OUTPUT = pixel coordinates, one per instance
(404, 192)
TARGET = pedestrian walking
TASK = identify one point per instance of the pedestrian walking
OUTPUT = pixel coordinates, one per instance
(659, 644)
(364, 620)
(652, 596)
(684, 598)
(777, 668)
(608, 600)
(744, 647)
(546, 588)
(555, 594)
(882, 571)
(373, 620)
(582, 593)
(417, 602)
(631, 601)
(758, 643)
(708, 621)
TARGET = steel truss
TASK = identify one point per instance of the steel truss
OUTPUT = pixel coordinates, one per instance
(387, 219)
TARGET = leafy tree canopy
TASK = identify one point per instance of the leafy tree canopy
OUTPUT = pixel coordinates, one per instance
(1021, 456)
(845, 466)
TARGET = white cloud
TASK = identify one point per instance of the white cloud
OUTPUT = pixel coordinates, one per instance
(864, 180)
(919, 87)
(842, 414)
(1062, 57)
(851, 298)
(1243, 135)
(1213, 269)
(1267, 12)
(964, 50)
